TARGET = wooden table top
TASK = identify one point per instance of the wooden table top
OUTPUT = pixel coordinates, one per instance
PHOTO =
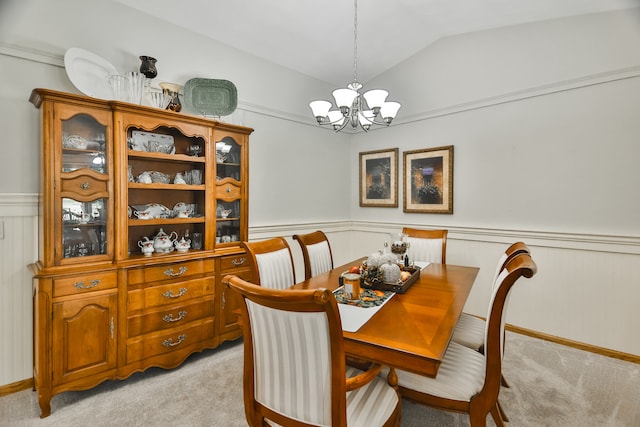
(412, 330)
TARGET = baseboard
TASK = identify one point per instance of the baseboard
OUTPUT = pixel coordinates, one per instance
(16, 387)
(575, 344)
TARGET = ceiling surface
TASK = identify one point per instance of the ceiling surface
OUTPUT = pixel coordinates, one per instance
(316, 38)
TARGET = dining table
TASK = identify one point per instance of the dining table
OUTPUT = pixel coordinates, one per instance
(412, 330)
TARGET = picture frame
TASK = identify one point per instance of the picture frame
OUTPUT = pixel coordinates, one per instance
(379, 178)
(428, 180)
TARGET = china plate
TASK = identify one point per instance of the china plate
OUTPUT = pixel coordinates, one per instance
(89, 72)
(210, 97)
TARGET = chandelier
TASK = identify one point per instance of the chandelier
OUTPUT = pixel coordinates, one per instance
(364, 110)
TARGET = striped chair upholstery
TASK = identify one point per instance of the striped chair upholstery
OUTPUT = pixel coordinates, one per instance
(426, 245)
(470, 329)
(425, 250)
(316, 253)
(273, 262)
(295, 363)
(275, 269)
(468, 381)
(320, 257)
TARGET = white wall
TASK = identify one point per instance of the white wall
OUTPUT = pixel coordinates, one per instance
(553, 104)
(544, 123)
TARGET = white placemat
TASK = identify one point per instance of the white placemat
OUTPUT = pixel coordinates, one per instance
(353, 317)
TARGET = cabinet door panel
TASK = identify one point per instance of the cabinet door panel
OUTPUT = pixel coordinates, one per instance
(84, 332)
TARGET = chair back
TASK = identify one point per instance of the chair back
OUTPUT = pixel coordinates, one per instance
(273, 262)
(426, 245)
(316, 253)
(513, 250)
(520, 265)
(294, 362)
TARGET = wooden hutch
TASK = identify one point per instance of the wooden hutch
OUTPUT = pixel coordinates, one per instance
(102, 308)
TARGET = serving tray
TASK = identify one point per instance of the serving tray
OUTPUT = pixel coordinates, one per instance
(398, 288)
(210, 97)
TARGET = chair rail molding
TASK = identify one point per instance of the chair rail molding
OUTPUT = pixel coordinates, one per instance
(551, 239)
(18, 204)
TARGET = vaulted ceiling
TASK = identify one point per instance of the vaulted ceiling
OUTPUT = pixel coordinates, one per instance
(317, 37)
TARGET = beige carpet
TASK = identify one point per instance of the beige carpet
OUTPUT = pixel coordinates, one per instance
(551, 385)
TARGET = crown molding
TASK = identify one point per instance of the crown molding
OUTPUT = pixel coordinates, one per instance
(57, 60)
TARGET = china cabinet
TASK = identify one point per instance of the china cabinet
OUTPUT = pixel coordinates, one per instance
(142, 213)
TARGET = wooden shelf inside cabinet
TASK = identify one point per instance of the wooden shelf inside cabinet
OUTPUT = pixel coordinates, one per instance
(166, 221)
(169, 157)
(158, 186)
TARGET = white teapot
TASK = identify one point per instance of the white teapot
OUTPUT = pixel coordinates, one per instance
(182, 245)
(146, 246)
(163, 242)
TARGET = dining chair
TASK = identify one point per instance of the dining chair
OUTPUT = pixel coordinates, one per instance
(469, 330)
(294, 363)
(467, 380)
(273, 262)
(316, 252)
(426, 245)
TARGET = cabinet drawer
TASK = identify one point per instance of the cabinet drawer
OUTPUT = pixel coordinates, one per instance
(235, 261)
(228, 192)
(170, 271)
(84, 283)
(86, 186)
(171, 293)
(169, 317)
(167, 341)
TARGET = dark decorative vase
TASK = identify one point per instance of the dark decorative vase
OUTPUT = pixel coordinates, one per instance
(148, 66)
(172, 90)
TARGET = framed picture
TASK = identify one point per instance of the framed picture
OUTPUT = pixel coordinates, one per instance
(428, 180)
(379, 178)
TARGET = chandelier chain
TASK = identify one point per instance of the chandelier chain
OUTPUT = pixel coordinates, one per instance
(355, 40)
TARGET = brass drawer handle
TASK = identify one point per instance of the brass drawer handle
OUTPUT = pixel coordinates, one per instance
(238, 261)
(170, 294)
(85, 186)
(169, 317)
(92, 284)
(169, 272)
(169, 341)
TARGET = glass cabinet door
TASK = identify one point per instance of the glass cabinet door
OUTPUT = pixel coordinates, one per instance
(84, 187)
(229, 206)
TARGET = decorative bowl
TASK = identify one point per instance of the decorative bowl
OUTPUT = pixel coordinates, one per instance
(159, 177)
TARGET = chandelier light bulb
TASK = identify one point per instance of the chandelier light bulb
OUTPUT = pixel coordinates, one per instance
(320, 109)
(389, 110)
(336, 118)
(375, 98)
(344, 97)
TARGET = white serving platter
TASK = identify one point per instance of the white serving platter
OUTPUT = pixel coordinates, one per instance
(89, 72)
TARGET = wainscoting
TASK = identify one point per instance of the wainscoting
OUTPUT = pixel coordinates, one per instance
(585, 293)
